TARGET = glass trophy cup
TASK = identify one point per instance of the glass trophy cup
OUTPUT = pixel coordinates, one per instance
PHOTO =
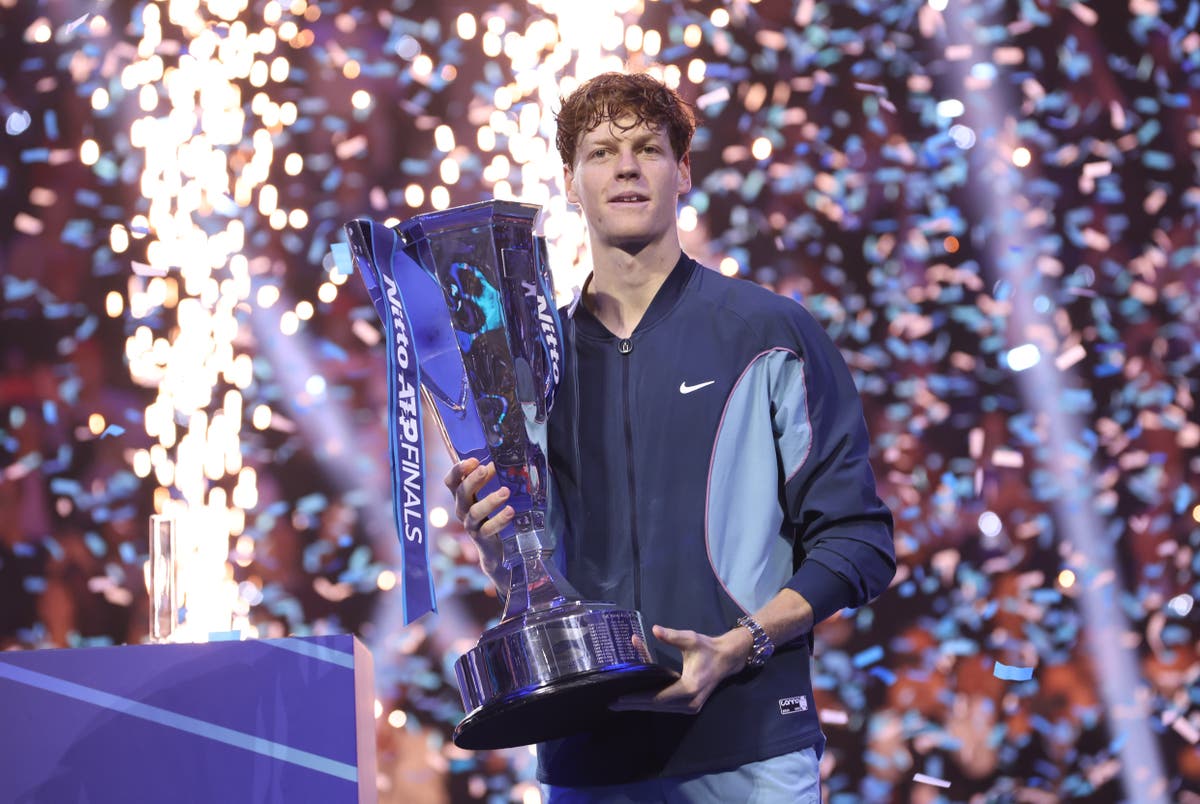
(475, 287)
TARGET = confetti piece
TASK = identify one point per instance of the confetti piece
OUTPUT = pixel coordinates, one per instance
(1070, 357)
(65, 486)
(852, 213)
(921, 778)
(67, 31)
(1181, 725)
(95, 544)
(342, 261)
(1005, 672)
(365, 332)
(869, 656)
(883, 674)
(713, 97)
(27, 224)
(142, 269)
(835, 717)
(225, 636)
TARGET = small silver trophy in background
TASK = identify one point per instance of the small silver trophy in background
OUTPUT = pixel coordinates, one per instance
(161, 578)
(554, 662)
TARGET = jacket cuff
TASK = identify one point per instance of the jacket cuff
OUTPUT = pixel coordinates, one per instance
(826, 591)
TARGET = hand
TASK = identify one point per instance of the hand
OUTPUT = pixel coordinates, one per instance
(707, 661)
(483, 519)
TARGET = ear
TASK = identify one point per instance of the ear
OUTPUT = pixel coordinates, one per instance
(569, 183)
(685, 174)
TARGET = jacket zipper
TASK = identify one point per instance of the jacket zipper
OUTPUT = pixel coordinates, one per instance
(624, 348)
(577, 450)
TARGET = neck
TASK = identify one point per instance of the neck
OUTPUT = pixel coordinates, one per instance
(623, 283)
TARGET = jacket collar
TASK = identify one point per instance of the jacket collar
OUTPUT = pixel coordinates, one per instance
(662, 303)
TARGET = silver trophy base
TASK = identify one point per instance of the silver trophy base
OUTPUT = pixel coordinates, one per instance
(552, 672)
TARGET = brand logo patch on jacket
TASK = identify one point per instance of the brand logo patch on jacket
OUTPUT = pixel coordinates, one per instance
(790, 706)
(684, 388)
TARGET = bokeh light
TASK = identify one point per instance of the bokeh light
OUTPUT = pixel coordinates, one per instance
(179, 337)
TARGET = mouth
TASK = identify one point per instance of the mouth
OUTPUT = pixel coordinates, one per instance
(628, 198)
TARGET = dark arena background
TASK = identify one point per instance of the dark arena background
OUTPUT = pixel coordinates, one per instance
(992, 206)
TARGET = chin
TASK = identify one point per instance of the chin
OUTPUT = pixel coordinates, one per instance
(632, 245)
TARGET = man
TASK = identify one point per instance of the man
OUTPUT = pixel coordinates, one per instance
(709, 457)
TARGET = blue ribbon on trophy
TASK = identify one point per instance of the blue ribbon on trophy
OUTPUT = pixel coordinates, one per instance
(467, 300)
(385, 268)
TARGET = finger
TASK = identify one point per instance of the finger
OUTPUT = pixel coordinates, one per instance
(675, 698)
(478, 513)
(681, 639)
(496, 523)
(636, 700)
(677, 708)
(458, 471)
(477, 479)
(464, 496)
(674, 692)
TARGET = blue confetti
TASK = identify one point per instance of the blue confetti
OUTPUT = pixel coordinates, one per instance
(869, 656)
(1006, 672)
(342, 261)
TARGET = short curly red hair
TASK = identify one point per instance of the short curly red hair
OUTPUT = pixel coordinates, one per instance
(612, 96)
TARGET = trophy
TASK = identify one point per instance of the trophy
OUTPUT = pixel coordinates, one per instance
(468, 304)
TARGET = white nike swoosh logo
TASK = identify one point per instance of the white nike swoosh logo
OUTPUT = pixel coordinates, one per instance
(684, 388)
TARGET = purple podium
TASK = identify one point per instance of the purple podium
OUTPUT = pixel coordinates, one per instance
(271, 720)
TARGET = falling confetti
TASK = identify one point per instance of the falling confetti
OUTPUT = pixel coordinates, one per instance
(969, 197)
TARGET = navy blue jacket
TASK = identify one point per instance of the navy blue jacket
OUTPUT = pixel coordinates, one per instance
(717, 458)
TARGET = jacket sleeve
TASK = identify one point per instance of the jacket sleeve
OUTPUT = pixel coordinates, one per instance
(844, 549)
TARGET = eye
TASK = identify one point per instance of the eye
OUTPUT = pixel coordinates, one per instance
(599, 153)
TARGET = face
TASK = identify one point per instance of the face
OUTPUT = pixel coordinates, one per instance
(627, 182)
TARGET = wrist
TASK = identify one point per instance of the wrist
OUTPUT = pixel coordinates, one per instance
(761, 646)
(738, 644)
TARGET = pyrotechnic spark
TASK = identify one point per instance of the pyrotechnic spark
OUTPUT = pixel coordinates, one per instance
(201, 176)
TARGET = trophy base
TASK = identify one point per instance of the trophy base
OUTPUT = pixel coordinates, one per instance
(553, 672)
(558, 710)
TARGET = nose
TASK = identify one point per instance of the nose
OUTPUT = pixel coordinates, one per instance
(627, 165)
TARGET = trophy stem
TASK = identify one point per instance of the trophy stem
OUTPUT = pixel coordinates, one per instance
(534, 581)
